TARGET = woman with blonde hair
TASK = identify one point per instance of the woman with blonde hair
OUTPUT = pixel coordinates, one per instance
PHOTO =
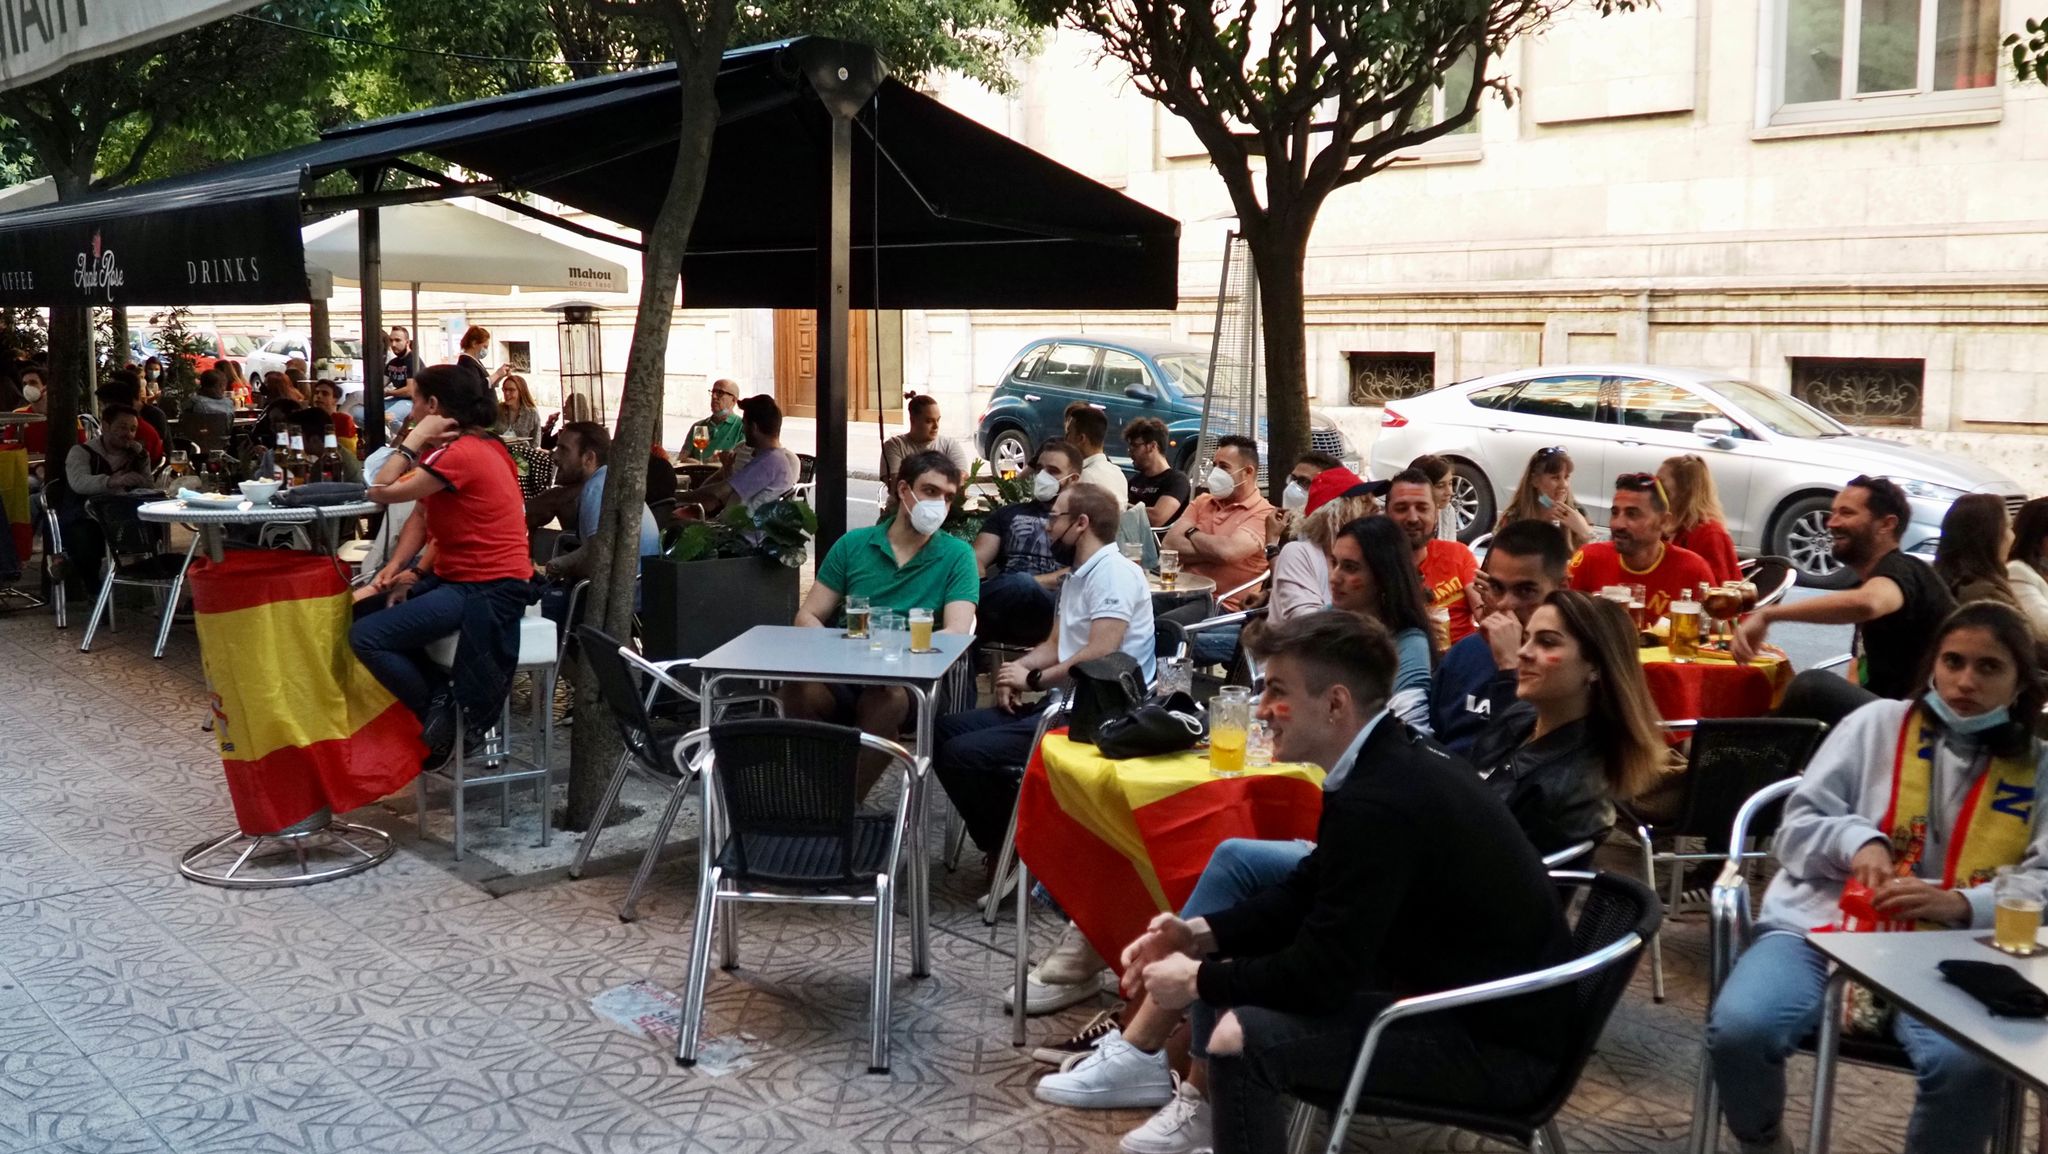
(1301, 570)
(1697, 522)
(518, 416)
(1545, 494)
(237, 383)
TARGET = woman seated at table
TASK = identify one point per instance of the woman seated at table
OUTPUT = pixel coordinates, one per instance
(1913, 800)
(475, 579)
(518, 416)
(1578, 677)
(1373, 574)
(1970, 557)
(1545, 494)
(1301, 570)
(1697, 522)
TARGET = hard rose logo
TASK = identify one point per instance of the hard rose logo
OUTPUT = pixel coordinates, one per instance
(98, 271)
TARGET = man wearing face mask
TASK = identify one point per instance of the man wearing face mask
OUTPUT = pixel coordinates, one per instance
(1294, 498)
(1020, 574)
(901, 564)
(1223, 534)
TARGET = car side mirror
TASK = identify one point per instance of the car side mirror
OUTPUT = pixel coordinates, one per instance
(1141, 393)
(1720, 430)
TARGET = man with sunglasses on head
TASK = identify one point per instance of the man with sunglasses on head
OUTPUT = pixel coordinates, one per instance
(726, 429)
(1638, 553)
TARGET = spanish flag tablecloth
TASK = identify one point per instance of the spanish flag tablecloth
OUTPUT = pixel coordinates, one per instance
(14, 500)
(1713, 685)
(302, 726)
(1116, 842)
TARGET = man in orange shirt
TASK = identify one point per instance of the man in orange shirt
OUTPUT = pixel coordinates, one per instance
(1638, 554)
(1222, 536)
(1449, 570)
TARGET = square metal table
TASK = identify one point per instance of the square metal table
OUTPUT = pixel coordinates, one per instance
(794, 653)
(1901, 967)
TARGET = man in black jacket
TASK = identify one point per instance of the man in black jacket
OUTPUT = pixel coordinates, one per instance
(1420, 881)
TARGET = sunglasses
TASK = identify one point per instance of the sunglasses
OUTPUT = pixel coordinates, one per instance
(1552, 451)
(1636, 482)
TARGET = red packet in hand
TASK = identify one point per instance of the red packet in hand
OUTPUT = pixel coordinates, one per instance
(1863, 1013)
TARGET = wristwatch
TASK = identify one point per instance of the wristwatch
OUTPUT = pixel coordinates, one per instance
(1031, 679)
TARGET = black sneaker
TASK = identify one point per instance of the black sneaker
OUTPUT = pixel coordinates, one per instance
(1084, 1040)
(437, 731)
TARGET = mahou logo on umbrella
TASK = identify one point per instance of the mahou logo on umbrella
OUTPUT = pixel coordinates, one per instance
(98, 271)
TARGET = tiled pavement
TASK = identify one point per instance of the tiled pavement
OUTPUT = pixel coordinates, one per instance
(409, 1010)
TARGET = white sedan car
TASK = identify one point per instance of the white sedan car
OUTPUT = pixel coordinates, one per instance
(1776, 460)
(281, 347)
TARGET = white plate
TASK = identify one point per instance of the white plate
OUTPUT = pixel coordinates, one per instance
(211, 500)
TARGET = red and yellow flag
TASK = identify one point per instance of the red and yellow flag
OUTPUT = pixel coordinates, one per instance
(301, 724)
(1116, 842)
(14, 500)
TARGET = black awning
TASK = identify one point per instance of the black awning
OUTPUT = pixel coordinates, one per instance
(966, 217)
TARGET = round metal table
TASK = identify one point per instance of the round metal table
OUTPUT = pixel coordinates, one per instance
(20, 418)
(318, 848)
(1187, 587)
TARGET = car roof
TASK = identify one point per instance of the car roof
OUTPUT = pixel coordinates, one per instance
(1674, 373)
(1143, 346)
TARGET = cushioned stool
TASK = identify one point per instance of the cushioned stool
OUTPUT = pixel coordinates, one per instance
(494, 764)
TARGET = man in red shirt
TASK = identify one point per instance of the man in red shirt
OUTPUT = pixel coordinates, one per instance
(1449, 570)
(1638, 554)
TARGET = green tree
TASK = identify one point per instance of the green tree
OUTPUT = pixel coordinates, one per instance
(1295, 99)
(2030, 51)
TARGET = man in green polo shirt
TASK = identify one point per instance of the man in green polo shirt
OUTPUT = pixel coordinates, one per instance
(723, 425)
(901, 564)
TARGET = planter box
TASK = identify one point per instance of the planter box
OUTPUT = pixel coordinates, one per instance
(689, 608)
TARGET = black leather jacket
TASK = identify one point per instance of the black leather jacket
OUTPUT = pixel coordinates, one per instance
(1555, 787)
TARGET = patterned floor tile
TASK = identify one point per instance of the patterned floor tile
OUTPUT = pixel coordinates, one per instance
(46, 1098)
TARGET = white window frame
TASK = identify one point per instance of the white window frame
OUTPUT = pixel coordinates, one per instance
(1920, 101)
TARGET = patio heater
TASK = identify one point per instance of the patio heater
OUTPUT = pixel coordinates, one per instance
(579, 336)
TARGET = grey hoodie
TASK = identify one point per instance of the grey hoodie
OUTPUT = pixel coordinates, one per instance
(1844, 795)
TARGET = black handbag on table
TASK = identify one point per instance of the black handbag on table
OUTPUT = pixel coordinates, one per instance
(1153, 728)
(1104, 687)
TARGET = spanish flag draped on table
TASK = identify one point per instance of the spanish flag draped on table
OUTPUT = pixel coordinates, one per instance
(1117, 842)
(302, 726)
(14, 500)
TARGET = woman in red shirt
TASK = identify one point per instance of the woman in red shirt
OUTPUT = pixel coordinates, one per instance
(460, 565)
(1697, 522)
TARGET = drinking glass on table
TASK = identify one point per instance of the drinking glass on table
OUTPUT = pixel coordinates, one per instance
(894, 632)
(2017, 929)
(1639, 607)
(880, 622)
(857, 617)
(1230, 718)
(700, 440)
(180, 463)
(920, 631)
(1169, 568)
(1685, 629)
(1132, 551)
(1723, 604)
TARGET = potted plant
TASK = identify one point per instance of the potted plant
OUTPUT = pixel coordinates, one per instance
(722, 576)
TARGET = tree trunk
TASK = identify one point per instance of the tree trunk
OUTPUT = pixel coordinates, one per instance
(118, 319)
(594, 746)
(1277, 253)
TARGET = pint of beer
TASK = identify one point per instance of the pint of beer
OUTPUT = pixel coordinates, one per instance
(920, 631)
(1685, 629)
(2017, 927)
(856, 617)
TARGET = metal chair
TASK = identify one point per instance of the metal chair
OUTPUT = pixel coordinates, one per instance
(1617, 916)
(1241, 669)
(53, 548)
(629, 685)
(999, 879)
(780, 811)
(127, 535)
(1571, 856)
(1773, 577)
(1730, 930)
(1730, 759)
(806, 487)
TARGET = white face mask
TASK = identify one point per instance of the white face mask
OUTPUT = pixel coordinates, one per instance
(1294, 498)
(927, 516)
(31, 393)
(1045, 486)
(1221, 483)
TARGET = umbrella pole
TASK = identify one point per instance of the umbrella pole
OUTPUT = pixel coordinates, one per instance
(415, 314)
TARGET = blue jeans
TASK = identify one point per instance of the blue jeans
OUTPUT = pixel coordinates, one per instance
(392, 642)
(1773, 999)
(1014, 610)
(1215, 646)
(1238, 868)
(980, 757)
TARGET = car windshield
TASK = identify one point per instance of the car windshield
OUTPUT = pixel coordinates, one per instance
(348, 347)
(1781, 413)
(239, 344)
(1186, 370)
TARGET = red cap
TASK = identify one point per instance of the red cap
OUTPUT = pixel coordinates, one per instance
(1329, 485)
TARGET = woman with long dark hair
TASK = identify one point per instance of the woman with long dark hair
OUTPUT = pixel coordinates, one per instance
(1912, 802)
(1697, 521)
(1582, 733)
(1373, 574)
(2026, 565)
(1545, 494)
(460, 564)
(1970, 559)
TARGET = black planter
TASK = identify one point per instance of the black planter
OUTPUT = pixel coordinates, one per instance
(689, 608)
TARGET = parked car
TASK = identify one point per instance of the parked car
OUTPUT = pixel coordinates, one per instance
(227, 347)
(1127, 379)
(1776, 460)
(347, 367)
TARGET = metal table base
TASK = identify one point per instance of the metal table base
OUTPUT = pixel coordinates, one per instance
(316, 850)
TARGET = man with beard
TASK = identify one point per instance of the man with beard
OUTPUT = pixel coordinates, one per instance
(1638, 553)
(1896, 608)
(1448, 567)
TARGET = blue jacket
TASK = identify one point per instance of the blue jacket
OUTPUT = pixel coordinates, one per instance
(1468, 694)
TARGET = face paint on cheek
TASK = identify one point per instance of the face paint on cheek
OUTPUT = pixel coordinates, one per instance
(1551, 658)
(1283, 712)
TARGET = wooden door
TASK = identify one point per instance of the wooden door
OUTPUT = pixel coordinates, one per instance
(797, 358)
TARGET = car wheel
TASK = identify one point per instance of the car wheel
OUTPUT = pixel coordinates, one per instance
(1009, 451)
(1472, 500)
(1801, 535)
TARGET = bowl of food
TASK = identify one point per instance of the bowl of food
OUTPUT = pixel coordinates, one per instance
(260, 492)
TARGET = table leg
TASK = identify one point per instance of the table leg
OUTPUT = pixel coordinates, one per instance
(921, 866)
(2012, 1119)
(1021, 964)
(210, 540)
(1825, 1053)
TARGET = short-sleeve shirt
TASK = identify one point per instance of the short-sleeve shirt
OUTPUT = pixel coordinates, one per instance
(1108, 585)
(1147, 491)
(1888, 650)
(1675, 572)
(765, 476)
(727, 431)
(900, 448)
(1214, 518)
(590, 508)
(478, 520)
(1098, 469)
(862, 564)
(1024, 546)
(1711, 541)
(1448, 569)
(400, 369)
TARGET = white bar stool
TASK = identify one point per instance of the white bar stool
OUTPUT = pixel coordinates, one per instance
(495, 763)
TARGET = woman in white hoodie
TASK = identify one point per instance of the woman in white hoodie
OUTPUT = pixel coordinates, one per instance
(1920, 801)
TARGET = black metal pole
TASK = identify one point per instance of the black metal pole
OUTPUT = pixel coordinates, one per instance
(370, 275)
(834, 316)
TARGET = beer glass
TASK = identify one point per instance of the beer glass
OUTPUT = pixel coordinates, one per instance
(2017, 929)
(1230, 718)
(1685, 630)
(1724, 603)
(1132, 551)
(1169, 568)
(881, 623)
(894, 632)
(921, 631)
(1639, 607)
(857, 617)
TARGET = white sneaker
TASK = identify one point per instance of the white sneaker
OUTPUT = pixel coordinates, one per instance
(1180, 1127)
(1115, 1075)
(1071, 974)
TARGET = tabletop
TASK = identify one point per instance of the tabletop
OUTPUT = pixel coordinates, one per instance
(1902, 967)
(20, 418)
(179, 513)
(1186, 582)
(794, 651)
